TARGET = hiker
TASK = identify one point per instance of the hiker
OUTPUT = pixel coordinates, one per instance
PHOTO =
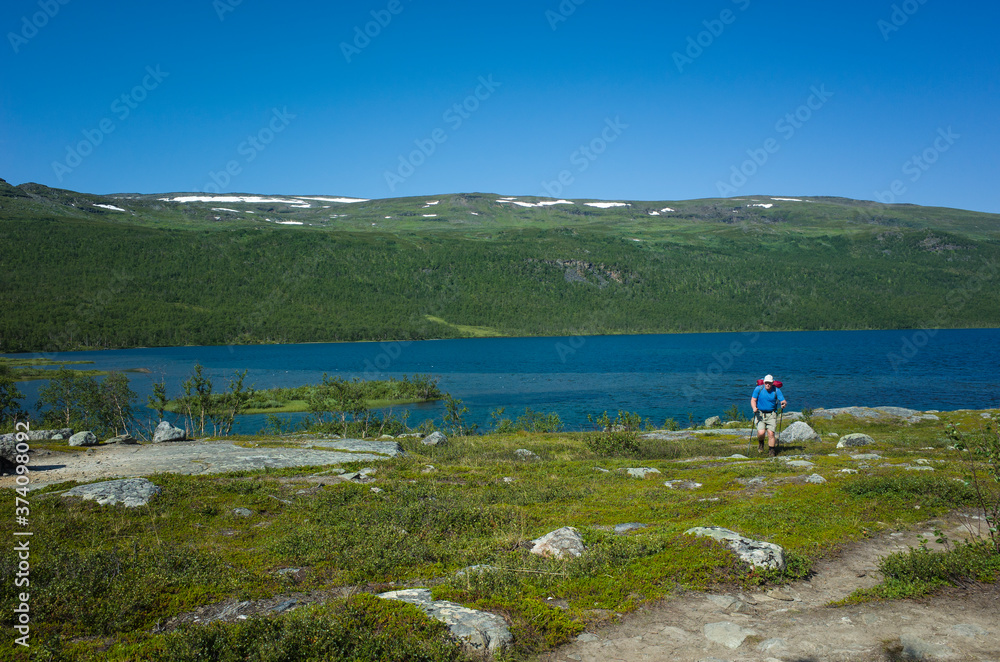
(765, 401)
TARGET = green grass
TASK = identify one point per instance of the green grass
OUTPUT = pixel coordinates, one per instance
(103, 577)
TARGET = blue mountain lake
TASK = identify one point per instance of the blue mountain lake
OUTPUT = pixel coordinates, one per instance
(657, 376)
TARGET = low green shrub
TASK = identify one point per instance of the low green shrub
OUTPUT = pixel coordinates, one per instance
(928, 490)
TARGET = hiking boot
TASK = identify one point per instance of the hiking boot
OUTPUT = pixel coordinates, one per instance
(772, 451)
(760, 447)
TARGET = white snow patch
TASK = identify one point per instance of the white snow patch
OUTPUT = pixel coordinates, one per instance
(388, 217)
(606, 205)
(223, 198)
(224, 209)
(761, 204)
(431, 203)
(543, 203)
(654, 213)
(289, 222)
(787, 199)
(303, 206)
(111, 207)
(430, 215)
(667, 209)
(474, 213)
(324, 199)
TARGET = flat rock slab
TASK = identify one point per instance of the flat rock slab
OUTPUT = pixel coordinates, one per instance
(641, 472)
(755, 552)
(682, 484)
(480, 630)
(195, 457)
(727, 634)
(131, 492)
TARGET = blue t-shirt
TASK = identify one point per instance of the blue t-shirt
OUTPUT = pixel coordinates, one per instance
(767, 401)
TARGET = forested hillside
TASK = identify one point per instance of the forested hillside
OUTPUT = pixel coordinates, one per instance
(151, 274)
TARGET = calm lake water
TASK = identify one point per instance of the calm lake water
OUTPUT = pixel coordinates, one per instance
(658, 376)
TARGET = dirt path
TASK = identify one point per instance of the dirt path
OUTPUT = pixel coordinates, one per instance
(793, 623)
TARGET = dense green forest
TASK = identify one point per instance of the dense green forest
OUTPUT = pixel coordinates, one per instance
(72, 280)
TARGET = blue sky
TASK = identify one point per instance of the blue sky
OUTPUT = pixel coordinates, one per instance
(147, 97)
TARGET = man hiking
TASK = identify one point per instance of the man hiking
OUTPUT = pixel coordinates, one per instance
(765, 401)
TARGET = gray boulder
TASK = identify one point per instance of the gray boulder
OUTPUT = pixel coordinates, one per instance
(755, 552)
(8, 451)
(479, 631)
(167, 432)
(435, 438)
(86, 438)
(125, 439)
(856, 439)
(641, 472)
(816, 479)
(525, 454)
(48, 435)
(131, 492)
(713, 422)
(727, 634)
(560, 543)
(798, 431)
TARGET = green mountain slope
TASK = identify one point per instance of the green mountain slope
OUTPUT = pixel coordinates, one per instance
(141, 270)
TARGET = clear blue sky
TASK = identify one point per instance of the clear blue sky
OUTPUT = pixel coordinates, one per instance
(682, 125)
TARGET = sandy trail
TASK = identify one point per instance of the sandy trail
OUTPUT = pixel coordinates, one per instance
(793, 623)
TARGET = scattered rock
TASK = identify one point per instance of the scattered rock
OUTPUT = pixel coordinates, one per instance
(475, 570)
(919, 468)
(435, 438)
(481, 631)
(736, 456)
(508, 479)
(167, 432)
(866, 456)
(816, 479)
(242, 512)
(49, 435)
(525, 454)
(969, 630)
(631, 526)
(86, 438)
(848, 471)
(713, 422)
(682, 484)
(798, 431)
(131, 492)
(125, 439)
(916, 648)
(856, 439)
(769, 645)
(756, 552)
(727, 634)
(603, 471)
(800, 464)
(641, 472)
(560, 543)
(586, 638)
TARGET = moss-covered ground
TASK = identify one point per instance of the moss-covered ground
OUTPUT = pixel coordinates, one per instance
(105, 580)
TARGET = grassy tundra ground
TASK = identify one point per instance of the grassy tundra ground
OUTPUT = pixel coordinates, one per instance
(109, 583)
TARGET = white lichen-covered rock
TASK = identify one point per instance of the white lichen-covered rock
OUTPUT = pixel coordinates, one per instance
(682, 484)
(86, 438)
(798, 431)
(167, 432)
(436, 438)
(713, 422)
(641, 472)
(755, 552)
(479, 630)
(853, 440)
(130, 492)
(561, 543)
(816, 479)
(526, 455)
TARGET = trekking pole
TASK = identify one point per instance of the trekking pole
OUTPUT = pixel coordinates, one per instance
(777, 435)
(753, 426)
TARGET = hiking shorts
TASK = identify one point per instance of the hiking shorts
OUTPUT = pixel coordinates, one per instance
(767, 420)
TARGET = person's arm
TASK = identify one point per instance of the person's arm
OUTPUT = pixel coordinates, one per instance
(781, 396)
(753, 401)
